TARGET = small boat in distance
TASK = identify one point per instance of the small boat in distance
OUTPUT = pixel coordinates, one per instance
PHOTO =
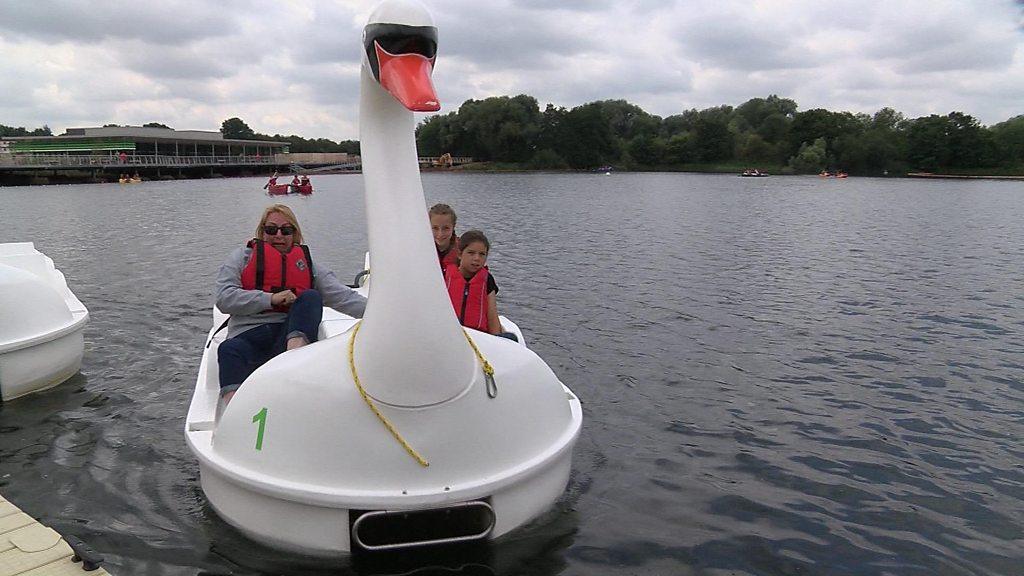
(753, 173)
(297, 186)
(836, 174)
(303, 186)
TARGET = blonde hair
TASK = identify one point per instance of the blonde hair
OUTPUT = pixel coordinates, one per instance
(287, 213)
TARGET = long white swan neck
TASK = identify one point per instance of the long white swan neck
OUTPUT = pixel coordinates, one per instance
(410, 350)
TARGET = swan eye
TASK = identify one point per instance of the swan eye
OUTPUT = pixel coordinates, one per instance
(396, 39)
(408, 45)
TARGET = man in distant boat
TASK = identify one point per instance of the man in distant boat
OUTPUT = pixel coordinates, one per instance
(272, 181)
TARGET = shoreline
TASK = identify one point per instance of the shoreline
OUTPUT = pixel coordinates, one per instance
(72, 178)
(962, 176)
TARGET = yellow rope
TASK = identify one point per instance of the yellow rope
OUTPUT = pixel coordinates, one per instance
(483, 361)
(369, 402)
(492, 387)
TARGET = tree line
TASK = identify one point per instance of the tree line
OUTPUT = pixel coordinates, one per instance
(238, 129)
(21, 131)
(760, 132)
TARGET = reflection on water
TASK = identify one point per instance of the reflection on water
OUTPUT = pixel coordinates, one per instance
(779, 375)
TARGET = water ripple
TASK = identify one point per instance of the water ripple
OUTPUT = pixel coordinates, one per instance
(791, 376)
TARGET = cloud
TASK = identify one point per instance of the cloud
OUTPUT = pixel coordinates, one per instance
(293, 67)
(167, 22)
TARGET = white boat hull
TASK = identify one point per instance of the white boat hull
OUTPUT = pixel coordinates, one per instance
(41, 366)
(323, 530)
(41, 323)
(314, 517)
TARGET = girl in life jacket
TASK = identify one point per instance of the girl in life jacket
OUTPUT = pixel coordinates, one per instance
(472, 288)
(442, 226)
(275, 297)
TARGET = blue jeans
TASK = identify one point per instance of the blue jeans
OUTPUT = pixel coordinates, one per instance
(240, 356)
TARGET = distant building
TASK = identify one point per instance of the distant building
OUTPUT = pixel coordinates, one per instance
(140, 141)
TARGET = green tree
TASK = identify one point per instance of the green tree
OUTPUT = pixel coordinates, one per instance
(756, 110)
(679, 123)
(970, 145)
(752, 149)
(713, 139)
(628, 120)
(774, 129)
(811, 158)
(156, 125)
(928, 148)
(236, 129)
(681, 149)
(428, 136)
(585, 138)
(820, 123)
(646, 150)
(887, 119)
(547, 159)
(44, 130)
(1009, 139)
(499, 128)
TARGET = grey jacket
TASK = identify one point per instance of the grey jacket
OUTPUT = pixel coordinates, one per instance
(251, 308)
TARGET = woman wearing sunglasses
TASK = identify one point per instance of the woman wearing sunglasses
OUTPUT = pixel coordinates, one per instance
(275, 297)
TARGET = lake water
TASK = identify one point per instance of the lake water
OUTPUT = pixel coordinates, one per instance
(782, 375)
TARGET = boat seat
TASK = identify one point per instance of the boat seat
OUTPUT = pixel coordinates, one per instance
(203, 412)
(35, 263)
(334, 323)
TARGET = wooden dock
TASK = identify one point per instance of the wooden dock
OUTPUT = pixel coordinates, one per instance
(27, 548)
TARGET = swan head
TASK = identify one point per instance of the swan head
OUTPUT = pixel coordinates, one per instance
(399, 50)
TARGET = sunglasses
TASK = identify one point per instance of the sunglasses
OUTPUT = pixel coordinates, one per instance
(271, 229)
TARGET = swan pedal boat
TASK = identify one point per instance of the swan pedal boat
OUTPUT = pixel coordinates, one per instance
(401, 429)
(336, 463)
(41, 323)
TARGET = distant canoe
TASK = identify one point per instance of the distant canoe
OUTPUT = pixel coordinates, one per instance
(277, 189)
(304, 189)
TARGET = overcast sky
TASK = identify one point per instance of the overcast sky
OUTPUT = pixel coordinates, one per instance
(292, 67)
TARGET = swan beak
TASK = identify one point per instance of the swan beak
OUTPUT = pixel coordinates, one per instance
(407, 78)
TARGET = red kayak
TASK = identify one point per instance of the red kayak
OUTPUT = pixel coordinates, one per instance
(277, 189)
(304, 189)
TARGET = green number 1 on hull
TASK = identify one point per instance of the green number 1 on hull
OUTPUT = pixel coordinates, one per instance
(261, 416)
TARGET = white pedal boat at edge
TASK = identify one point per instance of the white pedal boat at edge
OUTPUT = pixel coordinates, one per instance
(41, 323)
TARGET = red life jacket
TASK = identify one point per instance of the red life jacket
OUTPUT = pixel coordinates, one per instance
(450, 256)
(271, 271)
(469, 297)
